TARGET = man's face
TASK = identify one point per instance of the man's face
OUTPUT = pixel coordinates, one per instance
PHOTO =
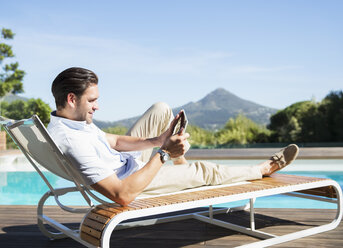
(87, 104)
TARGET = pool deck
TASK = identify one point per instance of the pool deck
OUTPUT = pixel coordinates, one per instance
(18, 228)
(248, 153)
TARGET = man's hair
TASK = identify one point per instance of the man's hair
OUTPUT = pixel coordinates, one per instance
(72, 80)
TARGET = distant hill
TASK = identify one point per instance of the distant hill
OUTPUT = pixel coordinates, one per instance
(215, 109)
(125, 122)
(212, 111)
(10, 98)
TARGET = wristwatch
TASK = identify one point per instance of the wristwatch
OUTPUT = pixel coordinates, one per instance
(164, 156)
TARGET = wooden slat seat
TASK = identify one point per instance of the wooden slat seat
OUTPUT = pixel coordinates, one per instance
(97, 219)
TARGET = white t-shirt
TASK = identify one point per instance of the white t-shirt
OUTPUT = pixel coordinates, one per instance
(87, 148)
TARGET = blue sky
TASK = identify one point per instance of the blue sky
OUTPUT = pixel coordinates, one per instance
(274, 53)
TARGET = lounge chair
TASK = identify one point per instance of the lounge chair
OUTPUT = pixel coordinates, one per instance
(100, 221)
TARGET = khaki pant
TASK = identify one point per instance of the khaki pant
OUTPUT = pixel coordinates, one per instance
(171, 178)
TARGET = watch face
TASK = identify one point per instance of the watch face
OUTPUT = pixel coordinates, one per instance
(164, 156)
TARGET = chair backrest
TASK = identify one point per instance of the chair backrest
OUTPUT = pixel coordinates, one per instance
(32, 137)
(35, 142)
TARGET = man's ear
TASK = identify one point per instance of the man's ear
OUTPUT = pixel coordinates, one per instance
(71, 99)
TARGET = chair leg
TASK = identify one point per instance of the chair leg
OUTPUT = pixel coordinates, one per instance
(252, 214)
(247, 206)
(40, 218)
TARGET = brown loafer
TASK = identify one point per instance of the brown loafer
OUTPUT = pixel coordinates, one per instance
(285, 156)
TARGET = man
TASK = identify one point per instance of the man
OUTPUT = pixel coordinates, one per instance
(110, 163)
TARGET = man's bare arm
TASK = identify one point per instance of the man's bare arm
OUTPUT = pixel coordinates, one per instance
(128, 143)
(126, 190)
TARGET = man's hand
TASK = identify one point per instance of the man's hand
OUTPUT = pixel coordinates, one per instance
(167, 134)
(176, 145)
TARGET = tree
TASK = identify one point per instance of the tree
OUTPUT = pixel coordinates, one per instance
(20, 109)
(331, 109)
(241, 130)
(10, 75)
(200, 137)
(290, 124)
(11, 78)
(309, 121)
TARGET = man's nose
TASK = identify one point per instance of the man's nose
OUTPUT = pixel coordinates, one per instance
(95, 106)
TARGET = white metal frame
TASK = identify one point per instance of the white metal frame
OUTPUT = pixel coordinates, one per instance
(208, 216)
(205, 216)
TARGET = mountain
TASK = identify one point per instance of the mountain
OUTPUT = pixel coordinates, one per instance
(213, 111)
(11, 97)
(125, 122)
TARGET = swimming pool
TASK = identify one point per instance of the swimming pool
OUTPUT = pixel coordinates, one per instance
(22, 186)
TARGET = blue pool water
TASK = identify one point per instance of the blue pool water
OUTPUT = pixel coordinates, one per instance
(26, 187)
